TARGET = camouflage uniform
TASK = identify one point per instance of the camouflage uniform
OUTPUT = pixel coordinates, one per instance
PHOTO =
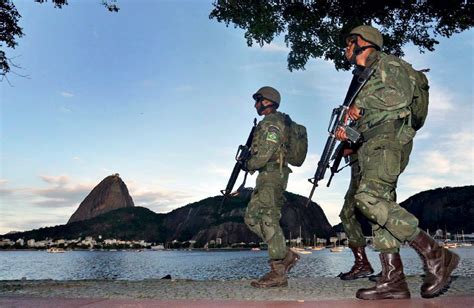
(383, 156)
(351, 225)
(264, 209)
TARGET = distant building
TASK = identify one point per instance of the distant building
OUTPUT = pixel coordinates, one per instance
(30, 243)
(341, 236)
(6, 242)
(59, 242)
(110, 241)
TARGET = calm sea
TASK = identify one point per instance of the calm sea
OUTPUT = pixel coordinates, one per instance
(198, 265)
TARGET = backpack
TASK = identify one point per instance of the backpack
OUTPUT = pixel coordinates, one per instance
(297, 144)
(420, 101)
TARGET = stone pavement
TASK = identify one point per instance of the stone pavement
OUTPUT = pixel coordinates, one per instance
(301, 292)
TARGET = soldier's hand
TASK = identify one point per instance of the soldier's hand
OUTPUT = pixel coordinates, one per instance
(244, 166)
(347, 152)
(341, 134)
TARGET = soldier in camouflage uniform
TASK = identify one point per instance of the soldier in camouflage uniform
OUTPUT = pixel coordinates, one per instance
(264, 209)
(382, 114)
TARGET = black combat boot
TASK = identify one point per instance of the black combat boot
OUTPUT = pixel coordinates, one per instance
(361, 267)
(290, 260)
(392, 284)
(275, 278)
(438, 263)
(375, 277)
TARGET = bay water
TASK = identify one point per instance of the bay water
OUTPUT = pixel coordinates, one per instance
(195, 264)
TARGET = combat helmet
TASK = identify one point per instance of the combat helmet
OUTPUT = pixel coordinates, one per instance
(369, 34)
(268, 93)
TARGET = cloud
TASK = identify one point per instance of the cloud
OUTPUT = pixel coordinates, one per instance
(440, 161)
(3, 181)
(448, 162)
(61, 196)
(6, 191)
(221, 171)
(423, 135)
(57, 180)
(15, 225)
(275, 47)
(421, 183)
(67, 94)
(159, 199)
(61, 192)
(441, 100)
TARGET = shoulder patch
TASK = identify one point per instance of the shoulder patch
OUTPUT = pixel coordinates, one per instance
(273, 134)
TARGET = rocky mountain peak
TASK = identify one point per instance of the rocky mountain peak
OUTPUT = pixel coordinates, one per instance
(110, 194)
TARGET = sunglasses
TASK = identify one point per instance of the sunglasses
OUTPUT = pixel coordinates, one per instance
(351, 40)
(258, 98)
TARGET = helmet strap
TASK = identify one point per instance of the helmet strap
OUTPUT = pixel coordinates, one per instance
(359, 50)
(263, 108)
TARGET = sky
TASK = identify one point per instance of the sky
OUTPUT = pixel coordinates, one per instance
(161, 94)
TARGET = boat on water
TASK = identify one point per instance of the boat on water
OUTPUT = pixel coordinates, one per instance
(55, 250)
(255, 249)
(336, 249)
(301, 251)
(450, 245)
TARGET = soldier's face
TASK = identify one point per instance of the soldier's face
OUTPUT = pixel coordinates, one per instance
(350, 45)
(260, 106)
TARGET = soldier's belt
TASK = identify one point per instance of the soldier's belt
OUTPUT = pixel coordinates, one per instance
(272, 166)
(391, 126)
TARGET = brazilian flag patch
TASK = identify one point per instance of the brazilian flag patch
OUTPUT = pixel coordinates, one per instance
(272, 134)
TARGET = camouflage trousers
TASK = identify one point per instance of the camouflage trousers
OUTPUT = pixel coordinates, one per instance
(263, 212)
(381, 160)
(351, 225)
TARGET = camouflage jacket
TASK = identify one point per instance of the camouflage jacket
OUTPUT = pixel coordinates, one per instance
(388, 93)
(269, 138)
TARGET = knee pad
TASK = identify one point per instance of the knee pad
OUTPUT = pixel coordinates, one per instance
(268, 227)
(253, 225)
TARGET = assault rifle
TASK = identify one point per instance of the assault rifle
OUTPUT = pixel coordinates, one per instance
(338, 119)
(242, 155)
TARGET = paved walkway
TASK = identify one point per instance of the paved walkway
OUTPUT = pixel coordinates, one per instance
(301, 292)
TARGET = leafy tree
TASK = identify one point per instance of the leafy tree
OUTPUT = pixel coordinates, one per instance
(316, 28)
(10, 31)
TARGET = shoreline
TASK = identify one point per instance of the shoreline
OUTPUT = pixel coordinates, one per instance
(305, 289)
(301, 292)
